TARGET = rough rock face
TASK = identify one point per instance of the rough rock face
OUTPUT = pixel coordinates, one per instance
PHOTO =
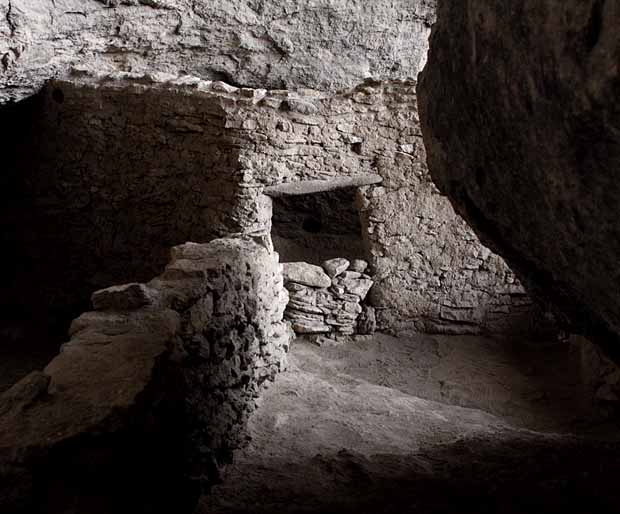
(520, 108)
(165, 159)
(148, 397)
(325, 44)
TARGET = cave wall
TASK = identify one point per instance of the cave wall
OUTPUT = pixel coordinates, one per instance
(151, 394)
(521, 118)
(161, 159)
(323, 44)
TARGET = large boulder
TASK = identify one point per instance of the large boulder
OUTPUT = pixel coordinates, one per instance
(520, 108)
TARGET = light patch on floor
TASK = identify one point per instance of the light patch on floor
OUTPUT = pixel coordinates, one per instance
(422, 424)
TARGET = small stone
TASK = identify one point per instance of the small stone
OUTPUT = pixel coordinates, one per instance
(122, 298)
(351, 307)
(349, 331)
(300, 106)
(249, 124)
(351, 275)
(223, 87)
(358, 265)
(335, 323)
(305, 274)
(292, 287)
(343, 317)
(304, 307)
(297, 315)
(304, 295)
(335, 267)
(326, 300)
(301, 327)
(358, 287)
(338, 291)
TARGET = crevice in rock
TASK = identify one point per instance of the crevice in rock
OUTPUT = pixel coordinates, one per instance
(9, 19)
(595, 24)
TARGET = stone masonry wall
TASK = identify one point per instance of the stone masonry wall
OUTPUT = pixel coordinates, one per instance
(152, 392)
(131, 164)
(431, 272)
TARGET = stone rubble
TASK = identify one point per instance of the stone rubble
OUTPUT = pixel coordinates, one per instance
(328, 307)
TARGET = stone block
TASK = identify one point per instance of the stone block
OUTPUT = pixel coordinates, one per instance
(122, 298)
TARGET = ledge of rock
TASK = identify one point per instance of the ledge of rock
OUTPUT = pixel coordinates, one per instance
(305, 187)
(520, 108)
(327, 44)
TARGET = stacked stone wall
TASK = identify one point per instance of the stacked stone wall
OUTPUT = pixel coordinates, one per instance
(326, 300)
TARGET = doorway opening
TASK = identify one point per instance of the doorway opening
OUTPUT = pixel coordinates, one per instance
(319, 239)
(316, 227)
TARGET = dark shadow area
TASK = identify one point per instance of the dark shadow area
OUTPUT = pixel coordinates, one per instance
(90, 197)
(316, 227)
(472, 475)
(31, 328)
(136, 461)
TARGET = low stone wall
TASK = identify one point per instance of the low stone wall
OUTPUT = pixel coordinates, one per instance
(152, 392)
(326, 300)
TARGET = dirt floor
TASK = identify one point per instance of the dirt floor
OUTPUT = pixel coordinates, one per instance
(427, 424)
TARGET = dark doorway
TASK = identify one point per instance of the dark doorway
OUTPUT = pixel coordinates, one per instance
(316, 227)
